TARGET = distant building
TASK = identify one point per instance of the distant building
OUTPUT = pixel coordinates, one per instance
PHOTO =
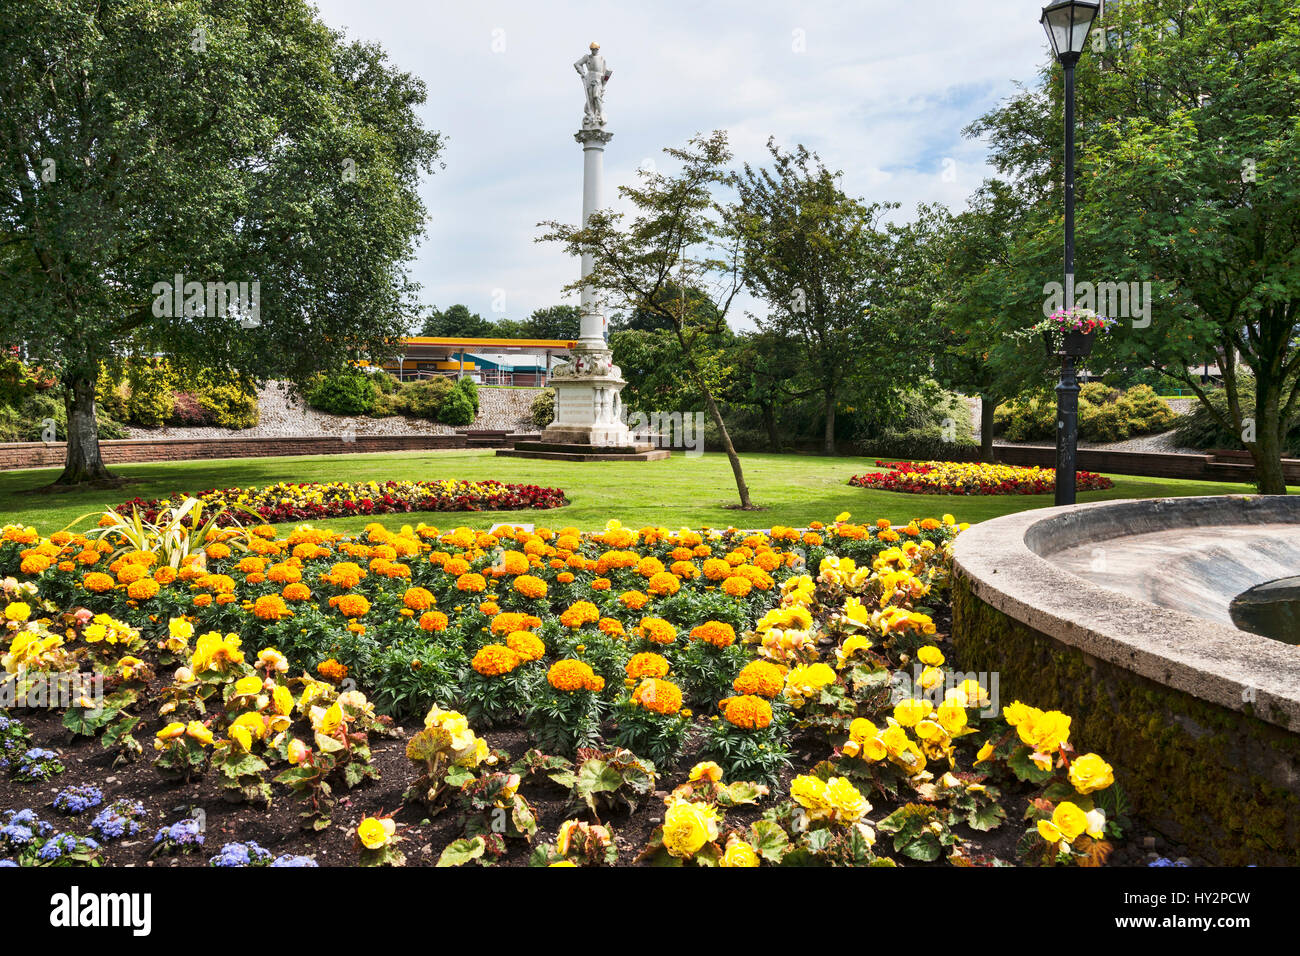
(486, 361)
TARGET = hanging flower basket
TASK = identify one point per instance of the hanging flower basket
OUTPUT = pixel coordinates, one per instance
(1072, 332)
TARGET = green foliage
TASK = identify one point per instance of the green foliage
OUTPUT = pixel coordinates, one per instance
(343, 393)
(542, 411)
(229, 405)
(1208, 427)
(461, 405)
(422, 399)
(609, 781)
(1104, 415)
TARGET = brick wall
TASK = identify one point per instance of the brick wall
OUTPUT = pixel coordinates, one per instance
(42, 455)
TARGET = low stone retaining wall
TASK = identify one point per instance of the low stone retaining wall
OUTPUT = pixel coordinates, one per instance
(1201, 720)
(42, 455)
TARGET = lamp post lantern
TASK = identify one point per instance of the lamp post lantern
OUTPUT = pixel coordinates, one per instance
(1067, 25)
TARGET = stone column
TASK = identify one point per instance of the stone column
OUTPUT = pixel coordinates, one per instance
(588, 407)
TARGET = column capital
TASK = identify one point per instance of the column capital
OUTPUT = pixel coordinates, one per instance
(593, 138)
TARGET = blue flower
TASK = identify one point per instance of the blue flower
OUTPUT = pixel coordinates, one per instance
(118, 819)
(241, 854)
(1165, 861)
(78, 799)
(288, 859)
(184, 836)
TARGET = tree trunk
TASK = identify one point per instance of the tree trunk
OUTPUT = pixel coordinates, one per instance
(769, 423)
(83, 463)
(828, 441)
(988, 405)
(1267, 447)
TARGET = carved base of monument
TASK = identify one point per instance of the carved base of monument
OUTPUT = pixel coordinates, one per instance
(588, 424)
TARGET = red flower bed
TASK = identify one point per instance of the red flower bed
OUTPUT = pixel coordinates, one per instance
(308, 501)
(962, 478)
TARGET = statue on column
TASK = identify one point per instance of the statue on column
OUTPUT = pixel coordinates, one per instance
(595, 74)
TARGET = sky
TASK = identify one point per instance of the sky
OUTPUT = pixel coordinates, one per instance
(880, 90)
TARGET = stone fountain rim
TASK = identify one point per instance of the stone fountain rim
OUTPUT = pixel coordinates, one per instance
(1004, 560)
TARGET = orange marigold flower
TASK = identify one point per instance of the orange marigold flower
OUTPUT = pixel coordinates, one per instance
(126, 574)
(296, 592)
(657, 631)
(418, 599)
(737, 586)
(569, 675)
(747, 712)
(471, 582)
(433, 621)
(352, 605)
(217, 551)
(271, 607)
(202, 600)
(142, 590)
(332, 670)
(527, 645)
(664, 584)
(493, 660)
(284, 573)
(761, 678)
(564, 577)
(489, 608)
(687, 570)
(600, 584)
(717, 633)
(658, 696)
(251, 564)
(580, 613)
(647, 664)
(97, 582)
(510, 621)
(165, 575)
(530, 586)
(611, 626)
(634, 600)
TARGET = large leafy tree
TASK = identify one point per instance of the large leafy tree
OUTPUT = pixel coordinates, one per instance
(679, 235)
(456, 321)
(1189, 179)
(825, 265)
(222, 142)
(983, 289)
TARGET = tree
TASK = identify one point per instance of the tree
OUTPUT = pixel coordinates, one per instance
(766, 371)
(553, 322)
(825, 266)
(1188, 180)
(457, 322)
(680, 234)
(982, 290)
(215, 142)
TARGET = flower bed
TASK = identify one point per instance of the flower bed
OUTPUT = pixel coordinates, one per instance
(309, 501)
(251, 672)
(960, 478)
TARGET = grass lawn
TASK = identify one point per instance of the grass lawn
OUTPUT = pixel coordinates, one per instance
(792, 489)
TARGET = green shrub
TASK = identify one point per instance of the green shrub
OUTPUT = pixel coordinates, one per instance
(470, 388)
(1105, 415)
(542, 412)
(930, 415)
(457, 410)
(229, 405)
(343, 393)
(422, 399)
(26, 421)
(150, 383)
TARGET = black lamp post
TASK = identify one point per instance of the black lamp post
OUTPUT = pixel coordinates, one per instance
(1067, 25)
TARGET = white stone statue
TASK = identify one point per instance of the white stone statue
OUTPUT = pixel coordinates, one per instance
(595, 74)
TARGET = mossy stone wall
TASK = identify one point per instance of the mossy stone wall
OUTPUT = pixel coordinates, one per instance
(1222, 782)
